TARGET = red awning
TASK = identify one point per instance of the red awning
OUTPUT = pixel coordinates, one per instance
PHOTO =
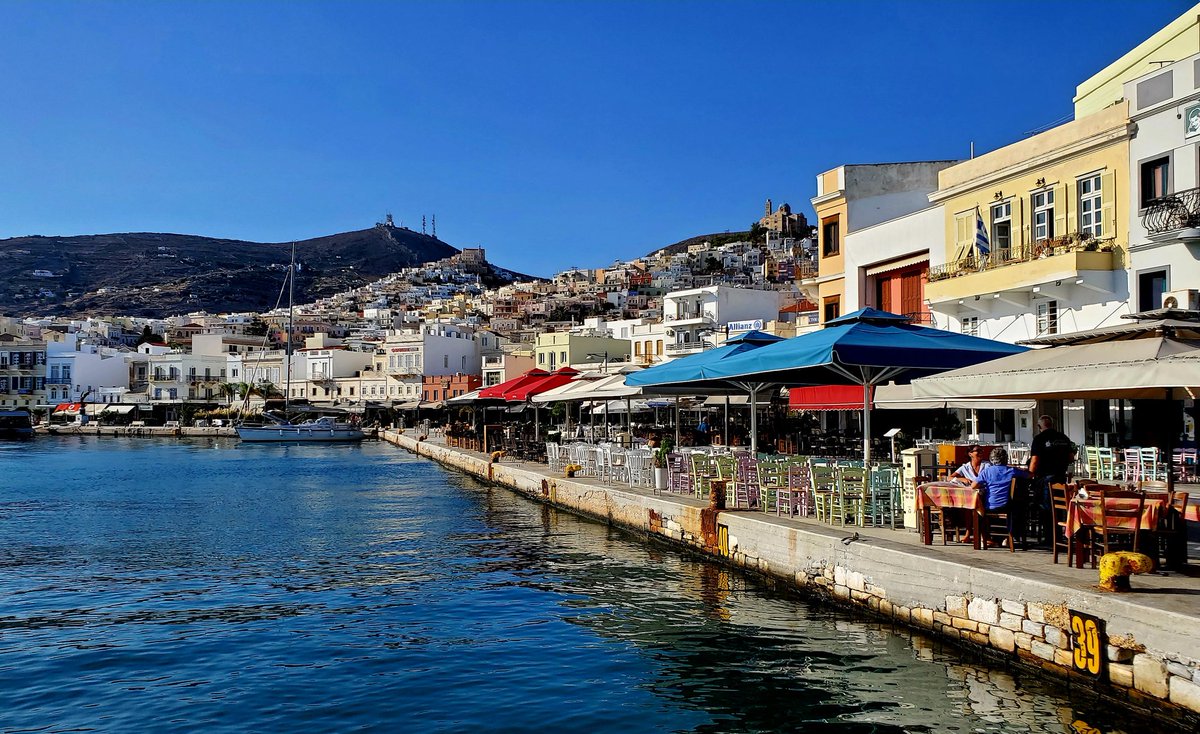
(523, 392)
(827, 397)
(496, 392)
(67, 408)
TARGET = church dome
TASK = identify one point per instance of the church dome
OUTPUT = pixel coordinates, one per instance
(785, 209)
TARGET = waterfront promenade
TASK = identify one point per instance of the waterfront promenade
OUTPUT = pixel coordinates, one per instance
(1015, 606)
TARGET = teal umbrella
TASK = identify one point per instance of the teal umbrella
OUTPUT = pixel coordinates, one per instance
(867, 347)
(693, 373)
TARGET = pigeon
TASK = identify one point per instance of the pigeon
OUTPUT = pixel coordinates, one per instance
(849, 540)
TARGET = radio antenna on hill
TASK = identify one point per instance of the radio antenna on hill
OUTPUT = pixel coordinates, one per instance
(423, 225)
(435, 226)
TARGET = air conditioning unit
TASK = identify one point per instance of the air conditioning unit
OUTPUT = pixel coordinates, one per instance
(1188, 298)
(670, 332)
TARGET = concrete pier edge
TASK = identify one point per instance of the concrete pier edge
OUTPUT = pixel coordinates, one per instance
(1151, 657)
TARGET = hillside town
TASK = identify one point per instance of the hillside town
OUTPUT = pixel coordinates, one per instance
(1067, 230)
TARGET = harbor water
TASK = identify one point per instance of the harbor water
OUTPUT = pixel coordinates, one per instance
(206, 585)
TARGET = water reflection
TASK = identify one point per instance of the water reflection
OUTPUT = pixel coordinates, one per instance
(160, 585)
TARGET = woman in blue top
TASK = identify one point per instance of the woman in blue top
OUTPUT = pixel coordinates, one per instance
(995, 480)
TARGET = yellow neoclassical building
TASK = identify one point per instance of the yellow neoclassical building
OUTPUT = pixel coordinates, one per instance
(1054, 208)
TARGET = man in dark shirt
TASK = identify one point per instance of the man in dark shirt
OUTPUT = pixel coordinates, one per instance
(1050, 456)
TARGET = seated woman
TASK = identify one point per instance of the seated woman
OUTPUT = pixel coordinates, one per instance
(968, 473)
(995, 481)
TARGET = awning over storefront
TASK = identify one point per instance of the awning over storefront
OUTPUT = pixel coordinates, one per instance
(888, 397)
(67, 408)
(119, 409)
(826, 397)
(496, 392)
(526, 390)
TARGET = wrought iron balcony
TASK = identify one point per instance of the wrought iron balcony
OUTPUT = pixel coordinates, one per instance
(1180, 210)
(1004, 256)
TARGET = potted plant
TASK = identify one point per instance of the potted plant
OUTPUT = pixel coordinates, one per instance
(661, 478)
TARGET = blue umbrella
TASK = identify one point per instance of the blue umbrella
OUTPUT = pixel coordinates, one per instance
(867, 347)
(694, 372)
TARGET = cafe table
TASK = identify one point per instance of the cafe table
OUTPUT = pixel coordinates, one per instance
(948, 495)
(1083, 513)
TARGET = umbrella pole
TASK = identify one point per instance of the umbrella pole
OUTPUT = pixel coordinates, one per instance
(537, 429)
(754, 419)
(676, 420)
(1169, 449)
(725, 435)
(866, 424)
(628, 419)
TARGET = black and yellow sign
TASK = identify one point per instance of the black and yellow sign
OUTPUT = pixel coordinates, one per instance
(1087, 643)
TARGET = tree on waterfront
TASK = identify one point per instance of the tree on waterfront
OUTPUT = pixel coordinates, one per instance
(227, 390)
(266, 390)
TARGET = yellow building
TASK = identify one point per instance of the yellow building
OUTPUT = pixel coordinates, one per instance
(1055, 210)
(1178, 40)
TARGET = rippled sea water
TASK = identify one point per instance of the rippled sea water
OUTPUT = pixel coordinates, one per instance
(213, 586)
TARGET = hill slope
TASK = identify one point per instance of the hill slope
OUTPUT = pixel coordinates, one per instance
(717, 239)
(151, 274)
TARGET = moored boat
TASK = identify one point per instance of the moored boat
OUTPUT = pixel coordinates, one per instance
(16, 424)
(323, 429)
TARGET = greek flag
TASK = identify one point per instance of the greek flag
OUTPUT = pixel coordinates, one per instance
(981, 237)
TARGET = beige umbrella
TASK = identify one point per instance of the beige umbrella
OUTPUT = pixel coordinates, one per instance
(1156, 358)
(1138, 368)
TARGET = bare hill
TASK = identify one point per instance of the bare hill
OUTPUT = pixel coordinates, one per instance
(151, 274)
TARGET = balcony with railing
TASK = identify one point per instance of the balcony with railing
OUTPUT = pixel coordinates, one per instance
(1076, 258)
(1173, 212)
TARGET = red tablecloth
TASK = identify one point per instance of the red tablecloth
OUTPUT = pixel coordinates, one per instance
(1087, 512)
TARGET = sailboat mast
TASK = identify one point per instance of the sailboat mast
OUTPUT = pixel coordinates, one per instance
(287, 389)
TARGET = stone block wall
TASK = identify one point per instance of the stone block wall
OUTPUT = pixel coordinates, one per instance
(1153, 657)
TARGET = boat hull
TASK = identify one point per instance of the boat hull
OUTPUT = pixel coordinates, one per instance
(305, 434)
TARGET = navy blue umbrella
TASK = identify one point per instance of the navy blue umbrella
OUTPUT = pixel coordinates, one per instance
(693, 373)
(867, 347)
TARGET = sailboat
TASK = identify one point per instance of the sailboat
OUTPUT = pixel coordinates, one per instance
(279, 428)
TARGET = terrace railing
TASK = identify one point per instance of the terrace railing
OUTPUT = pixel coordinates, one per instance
(1004, 256)
(1180, 210)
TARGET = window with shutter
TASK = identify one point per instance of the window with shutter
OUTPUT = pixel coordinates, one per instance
(1108, 203)
(964, 234)
(911, 297)
(1091, 203)
(1064, 202)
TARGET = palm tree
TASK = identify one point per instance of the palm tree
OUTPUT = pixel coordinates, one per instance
(266, 390)
(227, 390)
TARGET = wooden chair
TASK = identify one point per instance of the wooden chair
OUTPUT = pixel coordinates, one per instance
(1172, 541)
(1093, 461)
(939, 521)
(998, 523)
(1108, 532)
(851, 496)
(1060, 508)
(824, 485)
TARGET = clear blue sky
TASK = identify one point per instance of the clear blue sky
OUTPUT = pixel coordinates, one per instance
(552, 133)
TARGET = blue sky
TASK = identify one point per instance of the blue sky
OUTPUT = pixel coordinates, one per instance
(555, 134)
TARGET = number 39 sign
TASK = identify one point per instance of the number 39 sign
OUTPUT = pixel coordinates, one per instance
(1087, 643)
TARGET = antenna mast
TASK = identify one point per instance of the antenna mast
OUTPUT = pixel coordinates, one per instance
(287, 388)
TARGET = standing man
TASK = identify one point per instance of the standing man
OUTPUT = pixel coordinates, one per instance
(702, 431)
(1050, 456)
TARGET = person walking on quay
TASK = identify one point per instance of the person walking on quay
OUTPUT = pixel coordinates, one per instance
(1050, 456)
(702, 432)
